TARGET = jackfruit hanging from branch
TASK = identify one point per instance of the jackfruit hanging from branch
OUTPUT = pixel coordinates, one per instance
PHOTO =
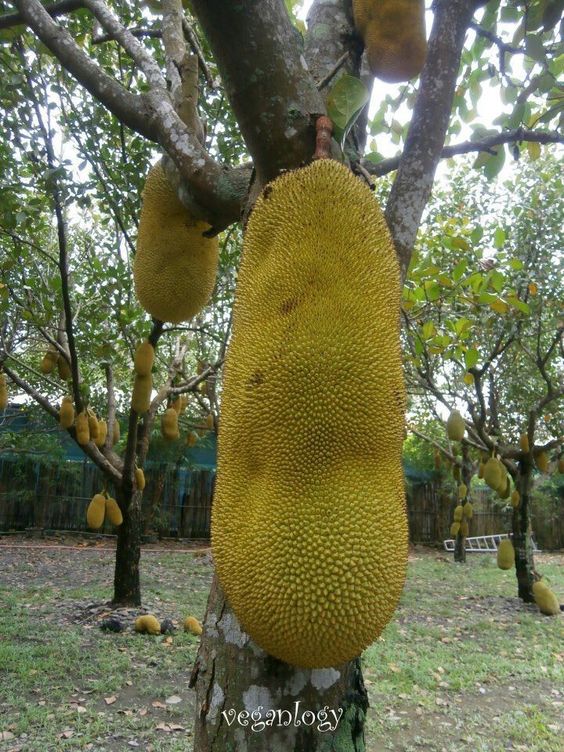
(175, 264)
(309, 522)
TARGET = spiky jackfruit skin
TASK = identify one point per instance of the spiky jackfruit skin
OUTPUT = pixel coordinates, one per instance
(141, 395)
(192, 625)
(394, 37)
(309, 523)
(493, 474)
(144, 359)
(505, 554)
(458, 512)
(148, 624)
(63, 369)
(49, 361)
(93, 426)
(545, 599)
(542, 461)
(139, 478)
(455, 426)
(66, 412)
(113, 512)
(169, 425)
(462, 491)
(468, 510)
(175, 265)
(464, 529)
(96, 511)
(524, 442)
(82, 428)
(515, 498)
(102, 433)
(454, 529)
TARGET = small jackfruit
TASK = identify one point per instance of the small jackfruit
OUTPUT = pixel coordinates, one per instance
(394, 36)
(113, 512)
(169, 424)
(464, 529)
(192, 625)
(63, 368)
(49, 361)
(458, 513)
(468, 510)
(92, 425)
(309, 523)
(542, 461)
(139, 478)
(175, 265)
(116, 432)
(524, 442)
(141, 395)
(462, 491)
(102, 433)
(454, 529)
(147, 624)
(505, 554)
(96, 511)
(545, 599)
(192, 438)
(455, 426)
(493, 474)
(82, 428)
(506, 490)
(515, 498)
(144, 358)
(66, 412)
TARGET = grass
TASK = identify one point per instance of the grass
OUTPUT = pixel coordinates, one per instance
(463, 666)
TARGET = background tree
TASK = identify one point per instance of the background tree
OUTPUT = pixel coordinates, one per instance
(275, 85)
(484, 329)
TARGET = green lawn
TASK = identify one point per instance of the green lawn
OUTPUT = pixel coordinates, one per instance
(464, 666)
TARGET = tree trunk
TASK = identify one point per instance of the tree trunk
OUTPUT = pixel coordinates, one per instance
(237, 684)
(466, 473)
(127, 590)
(524, 560)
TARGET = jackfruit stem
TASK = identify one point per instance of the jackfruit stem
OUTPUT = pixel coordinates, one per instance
(323, 129)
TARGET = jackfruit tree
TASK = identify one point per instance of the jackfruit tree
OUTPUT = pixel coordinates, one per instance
(486, 333)
(230, 94)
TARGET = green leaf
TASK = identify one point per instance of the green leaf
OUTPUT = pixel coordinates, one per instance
(344, 103)
(499, 237)
(432, 290)
(459, 270)
(516, 264)
(514, 301)
(428, 330)
(471, 357)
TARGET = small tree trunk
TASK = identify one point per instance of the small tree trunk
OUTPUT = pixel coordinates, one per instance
(524, 559)
(237, 684)
(466, 478)
(127, 590)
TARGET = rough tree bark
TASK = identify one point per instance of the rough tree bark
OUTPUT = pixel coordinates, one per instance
(127, 589)
(524, 557)
(232, 675)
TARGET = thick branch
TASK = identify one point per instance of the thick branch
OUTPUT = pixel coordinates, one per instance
(467, 147)
(266, 80)
(427, 131)
(56, 9)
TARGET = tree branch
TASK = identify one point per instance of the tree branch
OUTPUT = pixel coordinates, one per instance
(273, 96)
(56, 9)
(426, 135)
(386, 166)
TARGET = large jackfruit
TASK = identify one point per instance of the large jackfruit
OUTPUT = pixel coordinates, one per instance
(113, 512)
(141, 394)
(309, 529)
(175, 265)
(542, 461)
(63, 368)
(394, 36)
(147, 624)
(82, 428)
(524, 442)
(545, 599)
(505, 554)
(49, 361)
(458, 512)
(192, 625)
(102, 433)
(139, 478)
(169, 424)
